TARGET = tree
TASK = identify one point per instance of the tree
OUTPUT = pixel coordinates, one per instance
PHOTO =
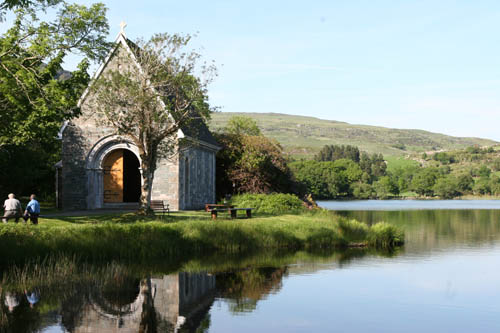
(36, 94)
(361, 190)
(464, 183)
(150, 102)
(385, 187)
(374, 166)
(423, 182)
(334, 152)
(34, 100)
(261, 168)
(315, 177)
(239, 125)
(484, 171)
(251, 164)
(482, 186)
(379, 167)
(446, 187)
(7, 5)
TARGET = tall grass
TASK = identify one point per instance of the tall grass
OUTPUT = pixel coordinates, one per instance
(170, 241)
(385, 235)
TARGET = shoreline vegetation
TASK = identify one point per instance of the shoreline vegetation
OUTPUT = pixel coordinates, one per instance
(422, 198)
(53, 271)
(345, 172)
(131, 237)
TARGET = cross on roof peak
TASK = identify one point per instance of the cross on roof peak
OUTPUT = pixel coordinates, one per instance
(122, 27)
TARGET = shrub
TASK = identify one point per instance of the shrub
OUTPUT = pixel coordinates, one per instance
(385, 235)
(353, 230)
(277, 203)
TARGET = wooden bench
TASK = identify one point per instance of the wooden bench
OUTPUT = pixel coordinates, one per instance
(233, 211)
(159, 206)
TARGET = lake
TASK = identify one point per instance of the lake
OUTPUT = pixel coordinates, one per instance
(445, 279)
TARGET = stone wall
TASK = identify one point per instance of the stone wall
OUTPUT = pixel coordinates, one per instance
(166, 182)
(196, 177)
(73, 171)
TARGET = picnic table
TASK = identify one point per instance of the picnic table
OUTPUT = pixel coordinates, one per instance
(209, 207)
(231, 210)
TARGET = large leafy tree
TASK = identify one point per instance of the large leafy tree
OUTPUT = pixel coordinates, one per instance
(36, 95)
(249, 162)
(7, 5)
(149, 103)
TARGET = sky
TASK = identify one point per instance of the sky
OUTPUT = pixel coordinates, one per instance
(431, 65)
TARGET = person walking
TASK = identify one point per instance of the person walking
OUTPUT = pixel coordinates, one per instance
(32, 210)
(12, 208)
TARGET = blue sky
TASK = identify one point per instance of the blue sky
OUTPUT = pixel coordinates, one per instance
(432, 65)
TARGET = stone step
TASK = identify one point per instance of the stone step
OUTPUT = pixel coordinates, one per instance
(121, 205)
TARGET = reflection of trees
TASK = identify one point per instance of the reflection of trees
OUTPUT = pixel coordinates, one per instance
(113, 297)
(245, 288)
(428, 229)
(148, 315)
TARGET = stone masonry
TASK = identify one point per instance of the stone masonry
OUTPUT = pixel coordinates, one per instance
(185, 181)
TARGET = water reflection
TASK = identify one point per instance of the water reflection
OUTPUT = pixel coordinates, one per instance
(412, 288)
(428, 231)
(245, 288)
(115, 299)
(122, 303)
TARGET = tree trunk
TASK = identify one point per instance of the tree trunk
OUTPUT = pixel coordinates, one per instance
(148, 165)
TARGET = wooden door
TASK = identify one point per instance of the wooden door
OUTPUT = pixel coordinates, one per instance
(113, 176)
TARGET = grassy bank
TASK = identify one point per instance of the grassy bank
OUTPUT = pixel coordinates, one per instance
(186, 234)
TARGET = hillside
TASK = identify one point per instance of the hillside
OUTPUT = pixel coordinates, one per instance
(304, 136)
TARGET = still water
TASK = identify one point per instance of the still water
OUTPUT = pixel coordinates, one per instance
(445, 279)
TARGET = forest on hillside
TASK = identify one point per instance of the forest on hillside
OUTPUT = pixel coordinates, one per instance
(345, 172)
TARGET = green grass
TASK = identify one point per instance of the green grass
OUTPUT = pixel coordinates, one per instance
(188, 234)
(305, 136)
(394, 162)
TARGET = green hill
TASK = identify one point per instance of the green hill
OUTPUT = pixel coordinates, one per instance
(304, 136)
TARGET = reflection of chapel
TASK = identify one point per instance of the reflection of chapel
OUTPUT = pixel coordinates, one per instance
(175, 302)
(99, 169)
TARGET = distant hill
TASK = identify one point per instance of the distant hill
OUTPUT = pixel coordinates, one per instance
(304, 136)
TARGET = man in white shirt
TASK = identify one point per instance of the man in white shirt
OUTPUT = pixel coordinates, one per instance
(12, 208)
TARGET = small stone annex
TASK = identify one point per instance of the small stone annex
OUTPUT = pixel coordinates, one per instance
(99, 169)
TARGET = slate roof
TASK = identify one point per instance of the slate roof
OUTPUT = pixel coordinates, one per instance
(197, 129)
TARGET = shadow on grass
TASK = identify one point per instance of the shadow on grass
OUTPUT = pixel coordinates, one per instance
(125, 218)
(128, 218)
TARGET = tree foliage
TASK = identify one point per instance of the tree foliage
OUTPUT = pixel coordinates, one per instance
(239, 125)
(336, 152)
(34, 98)
(251, 164)
(342, 171)
(444, 174)
(36, 94)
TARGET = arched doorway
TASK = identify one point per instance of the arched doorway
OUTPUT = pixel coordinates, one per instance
(121, 177)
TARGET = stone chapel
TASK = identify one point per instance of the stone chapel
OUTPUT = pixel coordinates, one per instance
(99, 169)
